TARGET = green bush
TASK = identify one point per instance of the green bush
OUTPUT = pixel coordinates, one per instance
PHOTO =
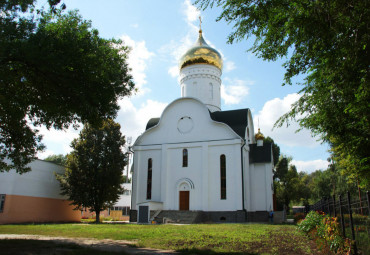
(312, 220)
(326, 231)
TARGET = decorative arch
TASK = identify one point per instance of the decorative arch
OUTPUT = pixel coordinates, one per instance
(184, 180)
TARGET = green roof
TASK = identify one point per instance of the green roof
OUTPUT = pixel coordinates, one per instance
(260, 154)
(236, 119)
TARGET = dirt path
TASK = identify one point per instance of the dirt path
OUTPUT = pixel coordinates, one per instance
(99, 244)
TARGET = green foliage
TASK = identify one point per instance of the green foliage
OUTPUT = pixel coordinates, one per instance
(312, 220)
(326, 231)
(327, 42)
(93, 176)
(275, 149)
(55, 71)
(288, 184)
(58, 159)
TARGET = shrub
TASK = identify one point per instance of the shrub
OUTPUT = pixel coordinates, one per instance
(326, 231)
(312, 220)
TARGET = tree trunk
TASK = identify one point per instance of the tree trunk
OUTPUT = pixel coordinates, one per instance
(97, 217)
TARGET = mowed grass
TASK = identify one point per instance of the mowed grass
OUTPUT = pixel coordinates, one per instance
(195, 239)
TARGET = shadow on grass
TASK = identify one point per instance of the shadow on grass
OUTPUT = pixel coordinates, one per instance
(207, 252)
(42, 247)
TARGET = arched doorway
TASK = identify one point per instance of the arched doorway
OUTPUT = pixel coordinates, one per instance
(184, 196)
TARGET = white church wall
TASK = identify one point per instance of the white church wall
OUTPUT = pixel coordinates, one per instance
(233, 199)
(261, 195)
(141, 176)
(176, 175)
(247, 178)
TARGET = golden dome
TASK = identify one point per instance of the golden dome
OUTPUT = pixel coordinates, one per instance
(259, 135)
(201, 53)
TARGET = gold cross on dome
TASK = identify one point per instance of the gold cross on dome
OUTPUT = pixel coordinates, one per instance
(200, 23)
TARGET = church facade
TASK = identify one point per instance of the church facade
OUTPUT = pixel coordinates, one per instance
(197, 158)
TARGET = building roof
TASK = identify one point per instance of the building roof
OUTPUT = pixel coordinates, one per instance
(236, 119)
(151, 123)
(260, 154)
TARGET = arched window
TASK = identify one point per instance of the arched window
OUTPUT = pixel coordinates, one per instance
(184, 158)
(183, 91)
(149, 182)
(223, 175)
(211, 91)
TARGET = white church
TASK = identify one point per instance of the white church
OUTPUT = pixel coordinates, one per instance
(197, 163)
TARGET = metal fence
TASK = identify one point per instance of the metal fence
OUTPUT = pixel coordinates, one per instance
(353, 213)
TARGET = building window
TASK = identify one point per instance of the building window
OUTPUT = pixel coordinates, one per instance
(211, 91)
(184, 158)
(125, 209)
(149, 182)
(183, 91)
(223, 175)
(2, 202)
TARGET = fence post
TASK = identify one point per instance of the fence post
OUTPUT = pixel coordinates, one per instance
(322, 204)
(335, 211)
(351, 222)
(342, 217)
(368, 202)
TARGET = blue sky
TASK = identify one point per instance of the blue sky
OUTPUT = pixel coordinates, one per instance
(159, 32)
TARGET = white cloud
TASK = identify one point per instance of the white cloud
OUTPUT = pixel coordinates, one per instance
(57, 141)
(270, 113)
(133, 119)
(138, 59)
(229, 66)
(191, 12)
(310, 166)
(235, 92)
(45, 154)
(134, 25)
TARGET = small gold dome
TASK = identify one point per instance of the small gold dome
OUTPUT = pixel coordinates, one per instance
(201, 53)
(259, 135)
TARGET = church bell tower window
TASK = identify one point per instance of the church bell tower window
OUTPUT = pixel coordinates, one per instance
(210, 91)
(223, 175)
(184, 158)
(149, 182)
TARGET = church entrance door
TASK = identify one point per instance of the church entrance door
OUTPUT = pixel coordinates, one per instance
(184, 200)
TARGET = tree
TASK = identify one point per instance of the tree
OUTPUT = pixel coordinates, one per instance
(55, 70)
(94, 171)
(327, 41)
(275, 149)
(287, 183)
(58, 159)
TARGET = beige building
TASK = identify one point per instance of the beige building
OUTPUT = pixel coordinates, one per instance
(34, 196)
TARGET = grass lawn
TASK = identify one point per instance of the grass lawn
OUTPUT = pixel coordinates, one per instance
(194, 239)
